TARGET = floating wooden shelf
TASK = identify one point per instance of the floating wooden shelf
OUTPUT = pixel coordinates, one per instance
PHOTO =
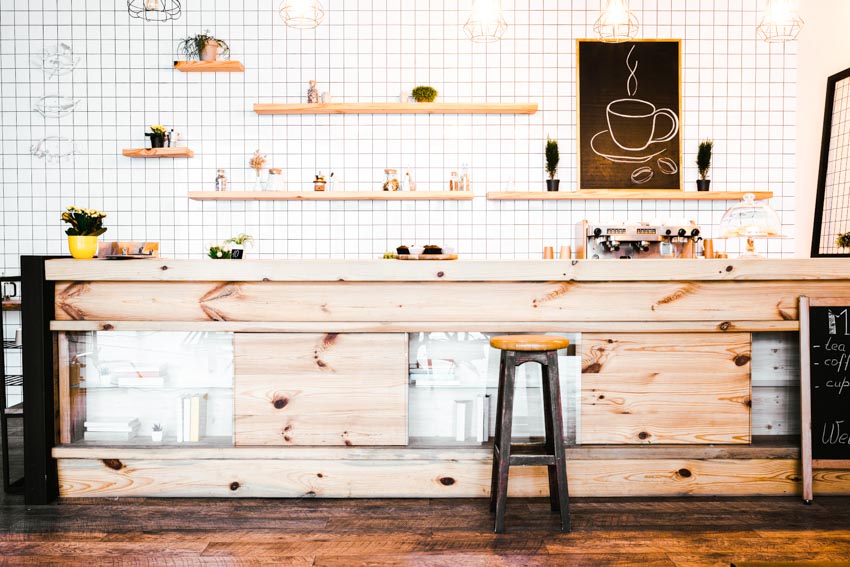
(625, 195)
(209, 66)
(11, 305)
(158, 153)
(331, 196)
(397, 108)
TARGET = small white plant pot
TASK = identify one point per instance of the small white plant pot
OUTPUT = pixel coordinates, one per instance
(156, 436)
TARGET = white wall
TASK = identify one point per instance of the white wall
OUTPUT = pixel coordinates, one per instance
(737, 90)
(824, 50)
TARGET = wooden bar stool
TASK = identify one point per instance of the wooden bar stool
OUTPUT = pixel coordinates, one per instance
(517, 350)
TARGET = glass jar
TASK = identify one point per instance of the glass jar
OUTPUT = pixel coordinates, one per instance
(391, 180)
(275, 180)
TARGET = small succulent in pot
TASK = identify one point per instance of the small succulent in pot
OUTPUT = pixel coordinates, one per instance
(553, 158)
(704, 164)
(156, 432)
(157, 135)
(239, 242)
(204, 46)
(219, 251)
(424, 94)
(842, 240)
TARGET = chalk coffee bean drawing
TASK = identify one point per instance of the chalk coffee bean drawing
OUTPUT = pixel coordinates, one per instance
(56, 106)
(642, 175)
(667, 166)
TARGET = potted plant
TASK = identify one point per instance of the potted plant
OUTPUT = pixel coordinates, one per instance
(553, 157)
(239, 242)
(219, 251)
(257, 163)
(86, 226)
(704, 164)
(424, 94)
(204, 46)
(157, 136)
(156, 433)
(842, 240)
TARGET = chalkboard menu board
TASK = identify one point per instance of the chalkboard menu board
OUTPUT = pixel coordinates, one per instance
(829, 355)
(628, 105)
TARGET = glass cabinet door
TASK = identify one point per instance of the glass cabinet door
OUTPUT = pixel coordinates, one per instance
(141, 388)
(453, 389)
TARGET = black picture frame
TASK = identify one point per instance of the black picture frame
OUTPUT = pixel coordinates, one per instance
(823, 237)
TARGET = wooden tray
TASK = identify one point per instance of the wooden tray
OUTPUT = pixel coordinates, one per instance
(426, 257)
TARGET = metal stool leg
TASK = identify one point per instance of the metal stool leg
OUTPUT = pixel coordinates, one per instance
(494, 485)
(558, 439)
(506, 417)
(549, 440)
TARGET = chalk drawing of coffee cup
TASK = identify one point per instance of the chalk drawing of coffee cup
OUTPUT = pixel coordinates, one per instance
(632, 123)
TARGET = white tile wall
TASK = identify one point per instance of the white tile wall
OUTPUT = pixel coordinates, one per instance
(737, 90)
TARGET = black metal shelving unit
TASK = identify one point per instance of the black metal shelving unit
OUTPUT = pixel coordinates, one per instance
(14, 412)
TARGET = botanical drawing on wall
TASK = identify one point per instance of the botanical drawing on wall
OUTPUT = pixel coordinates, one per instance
(628, 114)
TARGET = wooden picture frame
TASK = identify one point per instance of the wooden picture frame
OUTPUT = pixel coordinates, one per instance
(832, 204)
(628, 114)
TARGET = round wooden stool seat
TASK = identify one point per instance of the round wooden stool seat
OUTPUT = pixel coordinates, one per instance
(534, 343)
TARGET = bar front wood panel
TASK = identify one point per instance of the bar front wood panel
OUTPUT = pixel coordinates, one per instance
(432, 479)
(320, 389)
(665, 388)
(436, 301)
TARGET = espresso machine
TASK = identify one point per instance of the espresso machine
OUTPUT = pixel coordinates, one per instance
(635, 240)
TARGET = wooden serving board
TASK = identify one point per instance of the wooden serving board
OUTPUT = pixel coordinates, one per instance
(426, 257)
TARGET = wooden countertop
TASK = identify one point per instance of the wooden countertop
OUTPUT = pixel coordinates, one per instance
(458, 270)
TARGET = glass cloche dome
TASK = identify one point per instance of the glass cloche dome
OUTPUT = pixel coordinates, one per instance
(749, 219)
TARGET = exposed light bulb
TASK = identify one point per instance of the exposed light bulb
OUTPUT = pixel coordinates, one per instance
(152, 5)
(301, 14)
(486, 22)
(781, 21)
(616, 22)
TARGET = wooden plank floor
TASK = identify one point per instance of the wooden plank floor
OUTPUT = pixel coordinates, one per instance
(680, 532)
(622, 532)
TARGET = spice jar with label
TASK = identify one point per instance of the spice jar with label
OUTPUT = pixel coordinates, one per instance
(391, 180)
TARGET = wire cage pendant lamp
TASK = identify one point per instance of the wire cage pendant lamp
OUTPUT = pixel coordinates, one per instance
(486, 23)
(301, 14)
(154, 10)
(616, 23)
(781, 21)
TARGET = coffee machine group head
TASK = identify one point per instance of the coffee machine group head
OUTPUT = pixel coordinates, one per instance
(630, 240)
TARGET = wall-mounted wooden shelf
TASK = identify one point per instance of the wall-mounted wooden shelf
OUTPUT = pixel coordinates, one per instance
(209, 66)
(158, 153)
(397, 108)
(331, 196)
(11, 305)
(625, 195)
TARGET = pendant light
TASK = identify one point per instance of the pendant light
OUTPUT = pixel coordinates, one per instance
(781, 21)
(616, 23)
(154, 10)
(486, 23)
(301, 14)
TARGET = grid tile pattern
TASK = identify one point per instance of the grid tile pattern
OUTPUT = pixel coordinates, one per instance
(737, 90)
(836, 208)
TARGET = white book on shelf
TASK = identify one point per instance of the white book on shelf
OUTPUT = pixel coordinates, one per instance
(112, 425)
(478, 418)
(463, 410)
(109, 435)
(486, 424)
(187, 418)
(178, 428)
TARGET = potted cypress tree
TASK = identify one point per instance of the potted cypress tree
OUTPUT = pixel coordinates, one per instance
(552, 159)
(704, 164)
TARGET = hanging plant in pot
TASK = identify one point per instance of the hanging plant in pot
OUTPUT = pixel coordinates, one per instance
(86, 226)
(204, 46)
(704, 164)
(553, 157)
(237, 252)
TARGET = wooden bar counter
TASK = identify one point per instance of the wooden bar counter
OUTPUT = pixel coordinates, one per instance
(662, 398)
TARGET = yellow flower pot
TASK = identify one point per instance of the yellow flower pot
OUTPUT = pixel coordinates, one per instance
(82, 247)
